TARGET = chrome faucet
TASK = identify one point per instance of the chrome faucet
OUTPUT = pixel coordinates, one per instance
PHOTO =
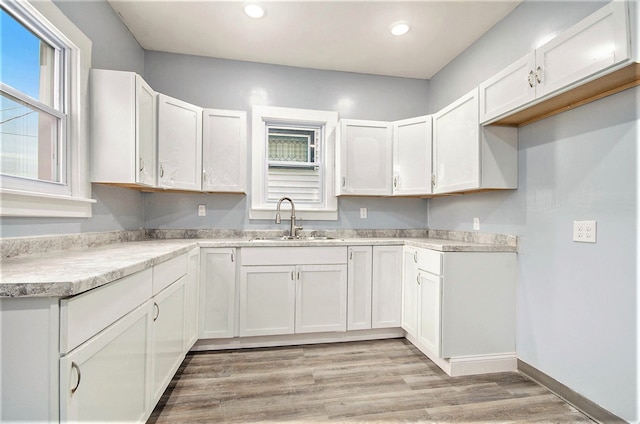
(293, 230)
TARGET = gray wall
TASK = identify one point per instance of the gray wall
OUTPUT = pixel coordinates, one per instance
(577, 303)
(227, 84)
(113, 47)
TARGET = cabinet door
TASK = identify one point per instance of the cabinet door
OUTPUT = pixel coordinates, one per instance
(168, 336)
(595, 43)
(145, 133)
(387, 287)
(123, 129)
(192, 301)
(179, 144)
(365, 157)
(429, 311)
(509, 89)
(321, 298)
(359, 288)
(217, 293)
(267, 300)
(410, 291)
(412, 156)
(224, 150)
(456, 145)
(105, 379)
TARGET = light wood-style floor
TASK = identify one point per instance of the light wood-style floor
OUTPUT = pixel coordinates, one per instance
(366, 382)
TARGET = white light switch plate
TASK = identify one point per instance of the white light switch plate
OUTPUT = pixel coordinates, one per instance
(584, 231)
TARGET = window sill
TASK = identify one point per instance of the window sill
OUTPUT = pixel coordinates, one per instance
(29, 204)
(304, 215)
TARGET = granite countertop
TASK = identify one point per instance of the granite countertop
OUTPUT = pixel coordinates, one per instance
(70, 272)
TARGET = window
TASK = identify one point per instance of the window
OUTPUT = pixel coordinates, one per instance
(32, 107)
(45, 62)
(293, 153)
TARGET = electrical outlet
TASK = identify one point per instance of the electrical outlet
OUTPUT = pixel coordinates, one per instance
(584, 231)
(363, 212)
(476, 224)
(202, 210)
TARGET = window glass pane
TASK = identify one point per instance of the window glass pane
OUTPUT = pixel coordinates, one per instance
(29, 145)
(27, 63)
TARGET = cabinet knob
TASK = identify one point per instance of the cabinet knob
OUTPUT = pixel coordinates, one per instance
(77, 368)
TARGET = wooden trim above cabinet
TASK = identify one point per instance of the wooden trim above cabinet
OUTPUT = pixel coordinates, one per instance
(604, 86)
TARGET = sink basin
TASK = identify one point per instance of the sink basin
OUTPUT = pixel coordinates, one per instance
(289, 238)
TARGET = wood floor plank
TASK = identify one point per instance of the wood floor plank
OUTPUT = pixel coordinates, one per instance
(365, 382)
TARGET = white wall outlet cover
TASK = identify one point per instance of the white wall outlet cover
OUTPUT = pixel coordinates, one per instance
(584, 231)
(476, 223)
(363, 212)
(202, 210)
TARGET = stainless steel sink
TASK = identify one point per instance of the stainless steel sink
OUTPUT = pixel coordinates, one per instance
(289, 238)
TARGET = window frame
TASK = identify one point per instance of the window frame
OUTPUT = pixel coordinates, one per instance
(72, 197)
(328, 121)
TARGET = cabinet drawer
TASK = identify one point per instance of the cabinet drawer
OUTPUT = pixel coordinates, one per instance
(294, 255)
(83, 316)
(430, 261)
(167, 272)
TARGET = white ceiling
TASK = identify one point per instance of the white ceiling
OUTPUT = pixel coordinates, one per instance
(350, 36)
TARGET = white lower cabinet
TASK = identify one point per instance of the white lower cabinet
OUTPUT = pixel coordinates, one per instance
(121, 344)
(287, 290)
(359, 269)
(105, 379)
(429, 294)
(218, 293)
(386, 287)
(321, 298)
(192, 301)
(267, 300)
(459, 308)
(410, 291)
(168, 335)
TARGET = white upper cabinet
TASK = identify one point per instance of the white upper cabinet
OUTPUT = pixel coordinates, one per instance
(467, 157)
(593, 44)
(511, 88)
(123, 129)
(179, 144)
(412, 156)
(365, 158)
(580, 53)
(224, 151)
(456, 150)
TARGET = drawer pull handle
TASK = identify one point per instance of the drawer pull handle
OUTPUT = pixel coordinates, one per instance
(141, 164)
(161, 171)
(77, 368)
(530, 78)
(232, 257)
(292, 275)
(418, 278)
(351, 255)
(539, 74)
(415, 256)
(157, 308)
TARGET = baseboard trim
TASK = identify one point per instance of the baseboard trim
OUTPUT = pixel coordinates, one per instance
(586, 406)
(296, 339)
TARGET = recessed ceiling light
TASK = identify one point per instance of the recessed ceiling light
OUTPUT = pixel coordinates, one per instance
(399, 28)
(253, 10)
